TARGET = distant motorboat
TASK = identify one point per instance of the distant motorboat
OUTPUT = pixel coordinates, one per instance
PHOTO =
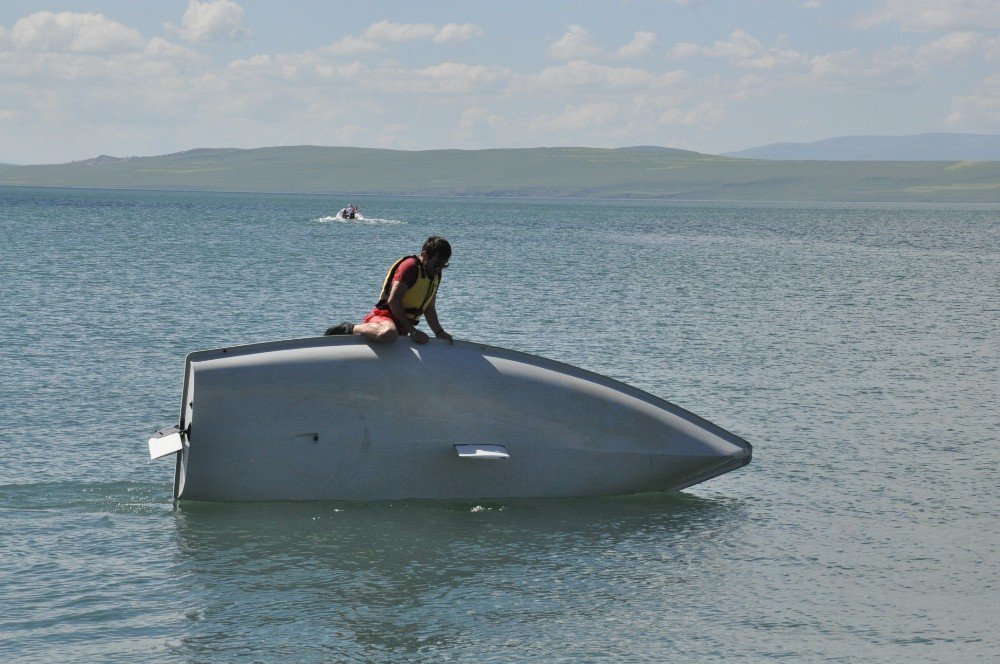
(338, 418)
(349, 215)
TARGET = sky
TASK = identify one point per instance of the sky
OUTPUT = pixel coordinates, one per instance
(80, 79)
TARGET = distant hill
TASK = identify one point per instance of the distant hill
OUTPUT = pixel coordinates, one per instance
(625, 173)
(103, 160)
(655, 149)
(919, 147)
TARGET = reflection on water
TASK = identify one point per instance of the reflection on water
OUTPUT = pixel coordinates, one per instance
(382, 579)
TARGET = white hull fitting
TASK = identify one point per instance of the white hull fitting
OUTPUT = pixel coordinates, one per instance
(336, 418)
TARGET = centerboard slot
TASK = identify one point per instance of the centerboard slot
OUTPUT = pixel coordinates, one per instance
(472, 451)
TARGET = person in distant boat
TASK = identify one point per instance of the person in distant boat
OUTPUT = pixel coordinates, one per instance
(349, 212)
(409, 292)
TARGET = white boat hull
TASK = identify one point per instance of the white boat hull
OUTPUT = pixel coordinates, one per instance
(335, 418)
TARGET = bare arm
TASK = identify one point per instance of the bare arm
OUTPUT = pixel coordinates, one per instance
(395, 303)
(430, 313)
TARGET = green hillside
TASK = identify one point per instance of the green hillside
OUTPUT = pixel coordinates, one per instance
(642, 172)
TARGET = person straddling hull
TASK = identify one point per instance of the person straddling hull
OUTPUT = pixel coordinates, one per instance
(408, 293)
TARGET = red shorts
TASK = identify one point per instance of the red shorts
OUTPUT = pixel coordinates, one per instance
(384, 316)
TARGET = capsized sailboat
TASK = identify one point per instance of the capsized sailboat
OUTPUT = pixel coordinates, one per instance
(337, 418)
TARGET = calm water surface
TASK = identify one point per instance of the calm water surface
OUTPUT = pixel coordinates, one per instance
(855, 346)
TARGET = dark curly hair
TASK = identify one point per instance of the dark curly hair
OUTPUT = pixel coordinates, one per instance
(437, 247)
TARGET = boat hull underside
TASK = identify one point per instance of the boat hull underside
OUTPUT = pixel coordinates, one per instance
(344, 420)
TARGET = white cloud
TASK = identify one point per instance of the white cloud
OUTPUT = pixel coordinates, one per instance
(252, 65)
(642, 43)
(389, 31)
(934, 15)
(740, 44)
(458, 78)
(349, 72)
(576, 44)
(993, 49)
(393, 136)
(293, 69)
(581, 74)
(953, 45)
(743, 50)
(352, 45)
(684, 51)
(612, 122)
(73, 33)
(586, 116)
(158, 47)
(706, 114)
(455, 32)
(376, 34)
(476, 117)
(312, 73)
(213, 20)
(980, 110)
(448, 78)
(892, 68)
(750, 86)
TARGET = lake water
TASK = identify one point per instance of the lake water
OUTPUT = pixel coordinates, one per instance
(856, 347)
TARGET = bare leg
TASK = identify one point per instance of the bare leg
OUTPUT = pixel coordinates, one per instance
(382, 332)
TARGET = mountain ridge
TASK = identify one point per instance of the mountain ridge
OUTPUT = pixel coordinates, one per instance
(639, 172)
(912, 147)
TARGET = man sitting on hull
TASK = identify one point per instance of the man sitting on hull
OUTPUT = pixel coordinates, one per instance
(409, 292)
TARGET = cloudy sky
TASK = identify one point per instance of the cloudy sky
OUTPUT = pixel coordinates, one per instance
(127, 77)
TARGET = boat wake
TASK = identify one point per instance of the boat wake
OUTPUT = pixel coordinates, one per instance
(335, 219)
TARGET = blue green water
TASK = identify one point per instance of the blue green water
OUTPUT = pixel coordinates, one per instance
(856, 347)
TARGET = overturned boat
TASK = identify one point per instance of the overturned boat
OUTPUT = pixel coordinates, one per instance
(337, 418)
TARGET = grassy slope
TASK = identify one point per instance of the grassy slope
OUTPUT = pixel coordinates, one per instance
(547, 172)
